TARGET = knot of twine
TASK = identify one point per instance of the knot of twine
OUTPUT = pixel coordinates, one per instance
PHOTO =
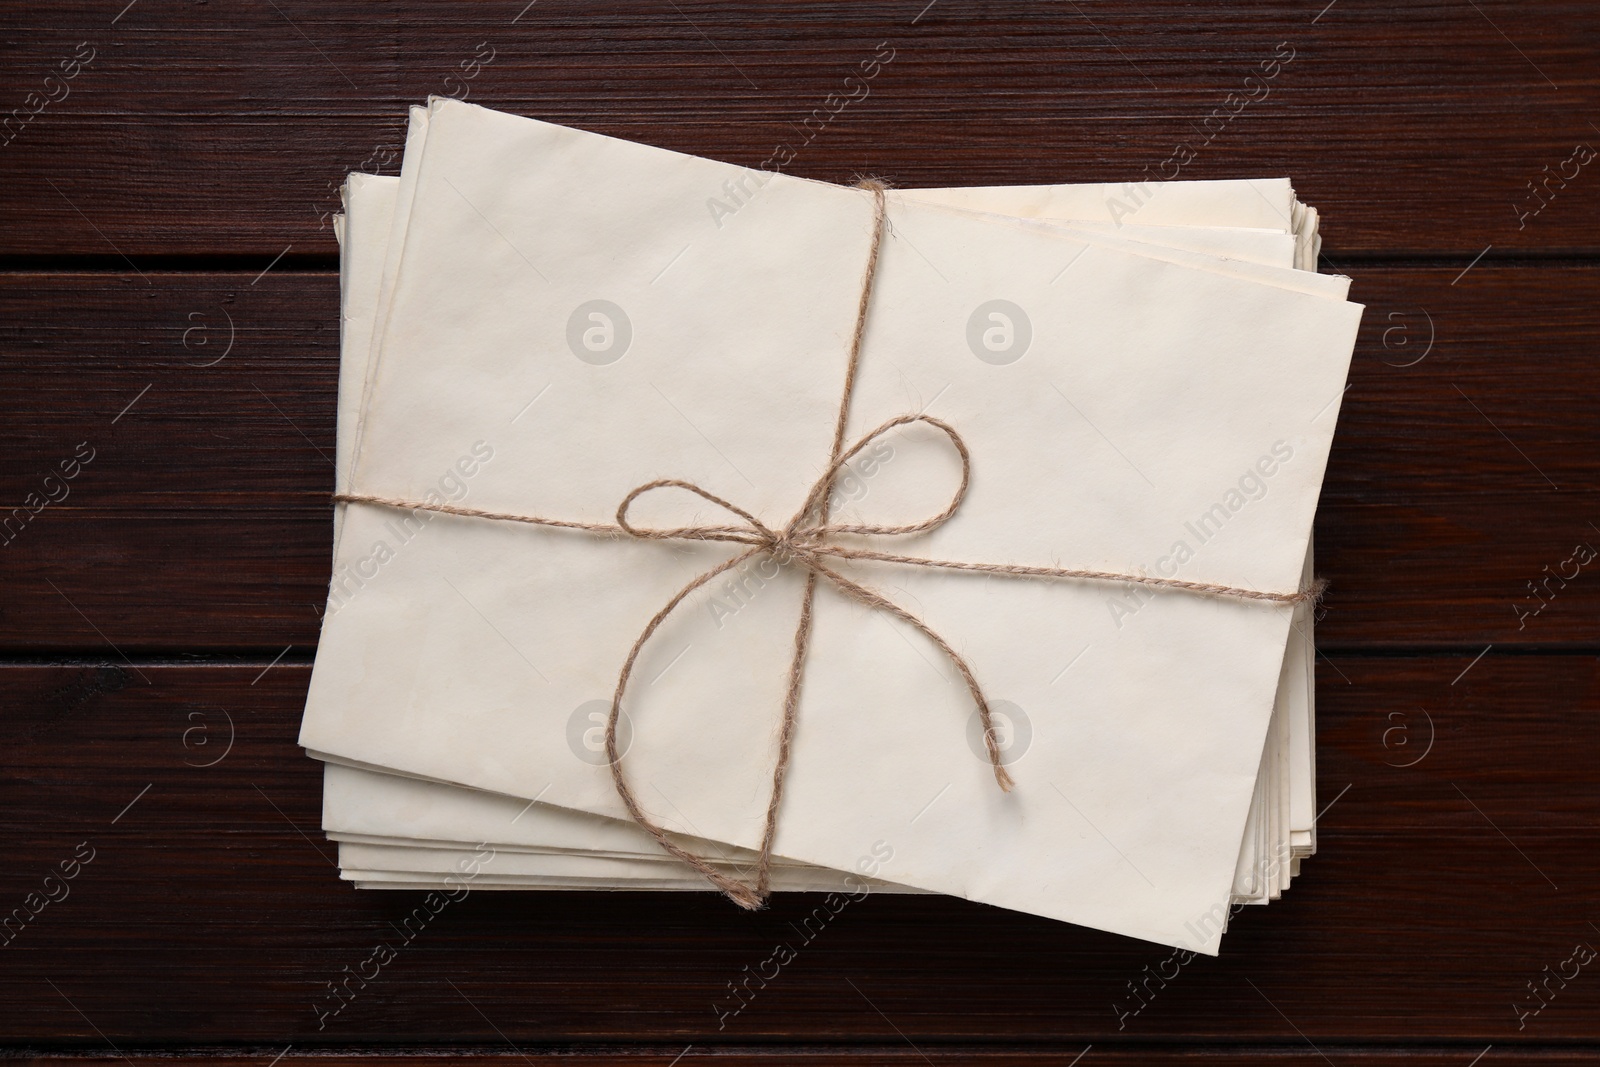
(804, 542)
(808, 541)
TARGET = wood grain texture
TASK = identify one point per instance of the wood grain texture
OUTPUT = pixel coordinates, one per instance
(211, 906)
(207, 127)
(903, 1053)
(157, 621)
(1463, 466)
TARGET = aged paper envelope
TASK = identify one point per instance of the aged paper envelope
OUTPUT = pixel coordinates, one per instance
(1259, 544)
(470, 816)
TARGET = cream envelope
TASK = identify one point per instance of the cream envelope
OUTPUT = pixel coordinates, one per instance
(360, 806)
(383, 878)
(507, 863)
(600, 874)
(408, 741)
(363, 231)
(430, 812)
(1240, 202)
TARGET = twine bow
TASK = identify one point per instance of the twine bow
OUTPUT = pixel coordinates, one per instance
(805, 541)
(808, 540)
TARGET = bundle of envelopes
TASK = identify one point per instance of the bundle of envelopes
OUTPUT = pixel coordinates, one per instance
(1140, 383)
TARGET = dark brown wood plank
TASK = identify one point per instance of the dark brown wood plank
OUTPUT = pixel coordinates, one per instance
(226, 127)
(906, 1055)
(1459, 862)
(1445, 884)
(1464, 466)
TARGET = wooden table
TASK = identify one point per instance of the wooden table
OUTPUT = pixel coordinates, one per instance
(170, 333)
